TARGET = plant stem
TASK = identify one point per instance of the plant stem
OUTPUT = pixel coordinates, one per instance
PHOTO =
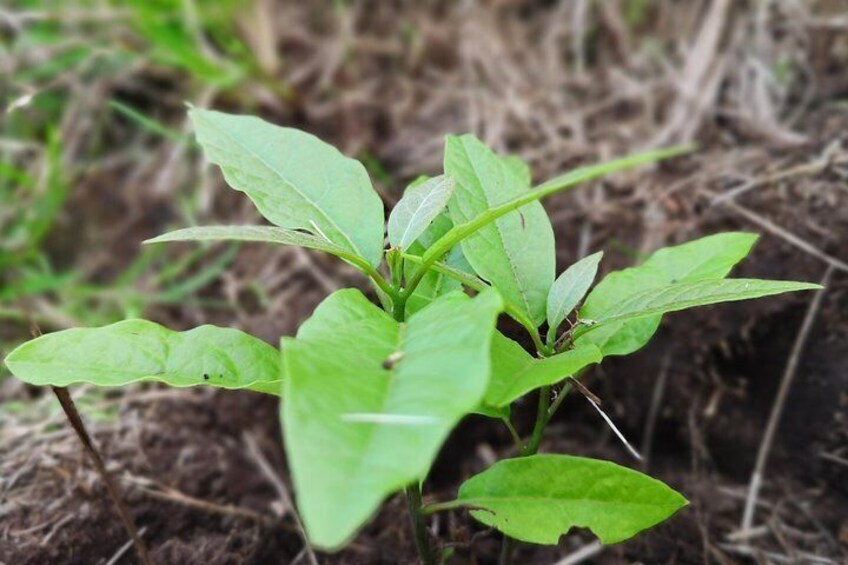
(417, 517)
(558, 400)
(557, 184)
(378, 279)
(532, 445)
(516, 439)
(76, 423)
(399, 306)
(419, 527)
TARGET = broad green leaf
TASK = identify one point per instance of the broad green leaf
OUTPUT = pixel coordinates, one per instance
(681, 296)
(519, 168)
(417, 209)
(539, 498)
(266, 234)
(515, 372)
(569, 288)
(296, 180)
(516, 252)
(371, 400)
(708, 258)
(139, 350)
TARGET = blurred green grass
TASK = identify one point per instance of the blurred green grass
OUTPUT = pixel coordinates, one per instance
(50, 47)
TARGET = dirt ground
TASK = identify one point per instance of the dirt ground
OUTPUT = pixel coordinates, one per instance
(761, 87)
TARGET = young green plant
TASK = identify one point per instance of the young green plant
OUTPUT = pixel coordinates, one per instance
(370, 393)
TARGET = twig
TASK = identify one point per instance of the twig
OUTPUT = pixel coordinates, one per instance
(173, 495)
(784, 234)
(76, 422)
(581, 388)
(123, 549)
(582, 554)
(616, 431)
(813, 168)
(780, 402)
(282, 491)
(56, 527)
(772, 557)
(654, 411)
(834, 458)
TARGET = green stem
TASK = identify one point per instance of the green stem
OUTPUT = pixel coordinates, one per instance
(435, 507)
(535, 440)
(419, 527)
(378, 279)
(413, 491)
(399, 306)
(557, 184)
(512, 432)
(558, 400)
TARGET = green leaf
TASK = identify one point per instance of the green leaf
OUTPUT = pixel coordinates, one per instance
(539, 498)
(558, 184)
(371, 400)
(708, 258)
(569, 289)
(266, 234)
(519, 168)
(296, 180)
(433, 285)
(437, 282)
(681, 296)
(514, 253)
(417, 209)
(139, 350)
(515, 372)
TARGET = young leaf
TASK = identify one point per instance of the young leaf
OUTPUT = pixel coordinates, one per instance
(681, 296)
(267, 234)
(515, 372)
(417, 209)
(514, 253)
(139, 350)
(569, 289)
(708, 258)
(455, 272)
(539, 498)
(296, 180)
(371, 400)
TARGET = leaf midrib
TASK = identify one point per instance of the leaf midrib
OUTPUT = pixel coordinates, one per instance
(548, 500)
(521, 288)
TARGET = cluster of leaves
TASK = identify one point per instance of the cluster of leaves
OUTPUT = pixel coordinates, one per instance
(369, 393)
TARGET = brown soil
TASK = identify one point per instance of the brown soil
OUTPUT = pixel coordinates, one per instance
(188, 474)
